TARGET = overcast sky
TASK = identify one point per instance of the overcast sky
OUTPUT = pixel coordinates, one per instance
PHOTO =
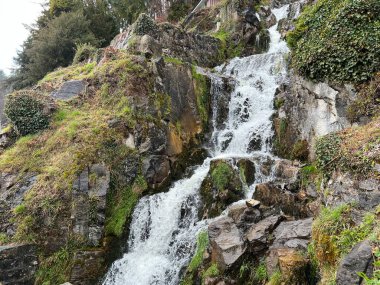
(13, 14)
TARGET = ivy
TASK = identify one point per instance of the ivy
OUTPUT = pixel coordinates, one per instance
(337, 40)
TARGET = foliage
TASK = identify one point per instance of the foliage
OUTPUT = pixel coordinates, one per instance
(144, 25)
(178, 10)
(300, 150)
(29, 112)
(260, 273)
(221, 175)
(367, 102)
(275, 278)
(84, 52)
(354, 150)
(337, 40)
(229, 49)
(327, 150)
(2, 75)
(202, 243)
(212, 271)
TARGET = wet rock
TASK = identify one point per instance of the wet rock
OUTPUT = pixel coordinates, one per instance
(156, 170)
(293, 234)
(70, 89)
(247, 170)
(152, 140)
(221, 187)
(251, 18)
(227, 246)
(88, 265)
(360, 259)
(258, 234)
(18, 264)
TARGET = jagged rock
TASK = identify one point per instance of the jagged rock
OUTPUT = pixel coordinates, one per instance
(149, 47)
(70, 89)
(258, 234)
(290, 262)
(292, 204)
(88, 265)
(236, 210)
(293, 234)
(156, 170)
(227, 246)
(285, 171)
(360, 259)
(18, 264)
(151, 140)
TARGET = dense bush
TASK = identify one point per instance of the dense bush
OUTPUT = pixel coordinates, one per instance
(28, 112)
(337, 40)
(178, 10)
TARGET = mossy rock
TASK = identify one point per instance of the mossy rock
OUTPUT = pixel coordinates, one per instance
(221, 187)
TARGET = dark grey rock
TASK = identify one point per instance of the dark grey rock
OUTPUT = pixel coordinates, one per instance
(18, 264)
(227, 246)
(88, 265)
(70, 89)
(360, 259)
(156, 170)
(289, 234)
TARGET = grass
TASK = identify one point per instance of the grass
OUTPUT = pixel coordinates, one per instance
(173, 60)
(275, 278)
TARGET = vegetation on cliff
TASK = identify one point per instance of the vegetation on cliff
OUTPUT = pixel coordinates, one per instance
(337, 40)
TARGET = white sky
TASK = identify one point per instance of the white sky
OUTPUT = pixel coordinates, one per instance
(13, 14)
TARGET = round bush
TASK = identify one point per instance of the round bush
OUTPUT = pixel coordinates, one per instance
(28, 112)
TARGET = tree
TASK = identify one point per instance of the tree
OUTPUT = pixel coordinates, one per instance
(2, 75)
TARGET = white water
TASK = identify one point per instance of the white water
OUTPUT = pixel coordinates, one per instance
(164, 226)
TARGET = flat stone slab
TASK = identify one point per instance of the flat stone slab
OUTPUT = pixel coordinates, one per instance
(69, 89)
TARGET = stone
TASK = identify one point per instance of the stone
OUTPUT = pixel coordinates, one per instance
(293, 234)
(236, 210)
(156, 170)
(290, 262)
(18, 264)
(258, 235)
(284, 171)
(70, 89)
(360, 259)
(247, 170)
(252, 203)
(88, 265)
(227, 246)
(369, 185)
(149, 47)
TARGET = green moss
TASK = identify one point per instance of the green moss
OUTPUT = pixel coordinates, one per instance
(221, 175)
(120, 211)
(173, 60)
(4, 239)
(260, 273)
(202, 92)
(202, 243)
(19, 209)
(212, 271)
(229, 49)
(73, 72)
(337, 40)
(84, 52)
(300, 150)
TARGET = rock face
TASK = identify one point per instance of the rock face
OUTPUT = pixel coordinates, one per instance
(227, 246)
(88, 265)
(360, 259)
(18, 264)
(321, 109)
(70, 89)
(172, 40)
(89, 203)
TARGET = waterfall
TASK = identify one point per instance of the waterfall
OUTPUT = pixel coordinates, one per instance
(164, 226)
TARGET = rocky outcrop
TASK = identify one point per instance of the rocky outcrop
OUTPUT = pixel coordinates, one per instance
(70, 89)
(18, 264)
(88, 266)
(320, 107)
(359, 260)
(173, 41)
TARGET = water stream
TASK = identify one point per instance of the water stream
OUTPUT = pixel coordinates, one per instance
(164, 226)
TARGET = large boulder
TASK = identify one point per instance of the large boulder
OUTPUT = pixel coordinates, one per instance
(88, 266)
(293, 234)
(226, 243)
(360, 259)
(18, 264)
(70, 89)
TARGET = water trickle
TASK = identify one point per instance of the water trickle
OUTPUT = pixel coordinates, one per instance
(164, 226)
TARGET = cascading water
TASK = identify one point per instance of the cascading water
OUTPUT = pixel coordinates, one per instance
(164, 226)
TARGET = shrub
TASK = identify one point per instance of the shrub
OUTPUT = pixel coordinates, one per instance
(84, 52)
(178, 10)
(327, 151)
(144, 25)
(337, 40)
(29, 112)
